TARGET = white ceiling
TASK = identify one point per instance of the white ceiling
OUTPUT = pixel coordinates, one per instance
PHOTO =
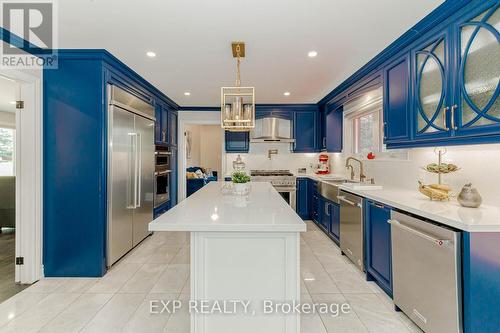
(7, 95)
(192, 41)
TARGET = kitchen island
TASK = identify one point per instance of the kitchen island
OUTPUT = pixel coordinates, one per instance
(243, 248)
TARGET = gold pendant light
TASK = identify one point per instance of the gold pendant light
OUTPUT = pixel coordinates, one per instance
(238, 103)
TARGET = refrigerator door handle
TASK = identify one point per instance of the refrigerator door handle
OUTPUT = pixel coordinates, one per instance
(135, 170)
(132, 174)
(139, 169)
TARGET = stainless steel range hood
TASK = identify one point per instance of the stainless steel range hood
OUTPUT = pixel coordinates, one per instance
(272, 129)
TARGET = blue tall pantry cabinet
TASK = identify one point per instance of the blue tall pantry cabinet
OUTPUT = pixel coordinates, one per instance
(75, 157)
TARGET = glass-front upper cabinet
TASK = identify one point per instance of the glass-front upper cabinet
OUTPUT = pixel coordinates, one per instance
(476, 109)
(431, 91)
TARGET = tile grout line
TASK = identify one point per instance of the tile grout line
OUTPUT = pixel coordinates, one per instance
(25, 310)
(341, 292)
(320, 318)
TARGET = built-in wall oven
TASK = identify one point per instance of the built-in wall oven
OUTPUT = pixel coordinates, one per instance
(163, 174)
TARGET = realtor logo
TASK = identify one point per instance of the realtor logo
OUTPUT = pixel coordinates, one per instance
(29, 30)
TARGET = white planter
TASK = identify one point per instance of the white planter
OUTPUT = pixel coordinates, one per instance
(240, 188)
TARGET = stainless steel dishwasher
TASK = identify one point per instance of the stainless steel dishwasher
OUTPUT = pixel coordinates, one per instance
(426, 273)
(351, 228)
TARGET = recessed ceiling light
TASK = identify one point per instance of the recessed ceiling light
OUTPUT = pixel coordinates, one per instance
(286, 93)
(13, 102)
(151, 54)
(312, 54)
(187, 93)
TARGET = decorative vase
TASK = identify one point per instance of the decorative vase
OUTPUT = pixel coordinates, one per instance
(240, 188)
(469, 197)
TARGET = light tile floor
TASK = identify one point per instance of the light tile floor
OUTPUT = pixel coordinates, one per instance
(159, 269)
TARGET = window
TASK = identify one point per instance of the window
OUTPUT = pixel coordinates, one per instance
(366, 132)
(363, 123)
(7, 150)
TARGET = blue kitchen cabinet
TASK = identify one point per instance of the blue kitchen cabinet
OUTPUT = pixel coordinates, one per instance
(431, 88)
(313, 201)
(397, 101)
(302, 198)
(305, 131)
(172, 128)
(324, 213)
(333, 130)
(378, 260)
(161, 124)
(481, 281)
(237, 142)
(455, 84)
(158, 124)
(476, 107)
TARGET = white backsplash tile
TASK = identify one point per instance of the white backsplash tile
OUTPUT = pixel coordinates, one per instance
(479, 164)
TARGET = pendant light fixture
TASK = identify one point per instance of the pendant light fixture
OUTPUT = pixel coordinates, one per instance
(238, 103)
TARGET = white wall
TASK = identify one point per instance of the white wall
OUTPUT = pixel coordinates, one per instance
(480, 164)
(206, 146)
(195, 156)
(211, 147)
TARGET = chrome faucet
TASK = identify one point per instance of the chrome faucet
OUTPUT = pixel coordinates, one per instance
(272, 152)
(362, 175)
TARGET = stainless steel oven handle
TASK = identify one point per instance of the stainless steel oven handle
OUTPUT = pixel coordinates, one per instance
(438, 242)
(342, 198)
(165, 153)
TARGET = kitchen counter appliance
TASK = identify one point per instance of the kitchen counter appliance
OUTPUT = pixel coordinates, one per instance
(426, 273)
(283, 181)
(351, 228)
(163, 171)
(131, 164)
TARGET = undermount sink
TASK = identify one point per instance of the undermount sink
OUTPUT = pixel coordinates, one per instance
(330, 188)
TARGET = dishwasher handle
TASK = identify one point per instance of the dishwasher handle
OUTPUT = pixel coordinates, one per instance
(342, 198)
(438, 242)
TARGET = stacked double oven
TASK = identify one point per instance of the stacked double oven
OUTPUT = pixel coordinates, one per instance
(163, 175)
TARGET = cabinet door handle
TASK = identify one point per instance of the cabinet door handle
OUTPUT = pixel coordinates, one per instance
(452, 116)
(378, 205)
(327, 205)
(385, 130)
(163, 136)
(324, 142)
(445, 123)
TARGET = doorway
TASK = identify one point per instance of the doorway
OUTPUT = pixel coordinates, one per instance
(20, 180)
(203, 155)
(201, 144)
(8, 161)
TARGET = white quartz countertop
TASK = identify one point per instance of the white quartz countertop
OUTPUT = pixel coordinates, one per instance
(483, 219)
(450, 213)
(208, 209)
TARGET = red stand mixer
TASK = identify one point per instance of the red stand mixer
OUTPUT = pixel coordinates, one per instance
(323, 165)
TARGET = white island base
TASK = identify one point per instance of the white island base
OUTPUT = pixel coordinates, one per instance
(242, 249)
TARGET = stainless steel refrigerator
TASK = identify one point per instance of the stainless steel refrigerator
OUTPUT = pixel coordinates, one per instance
(131, 152)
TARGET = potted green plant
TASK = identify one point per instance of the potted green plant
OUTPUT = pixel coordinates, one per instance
(240, 180)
